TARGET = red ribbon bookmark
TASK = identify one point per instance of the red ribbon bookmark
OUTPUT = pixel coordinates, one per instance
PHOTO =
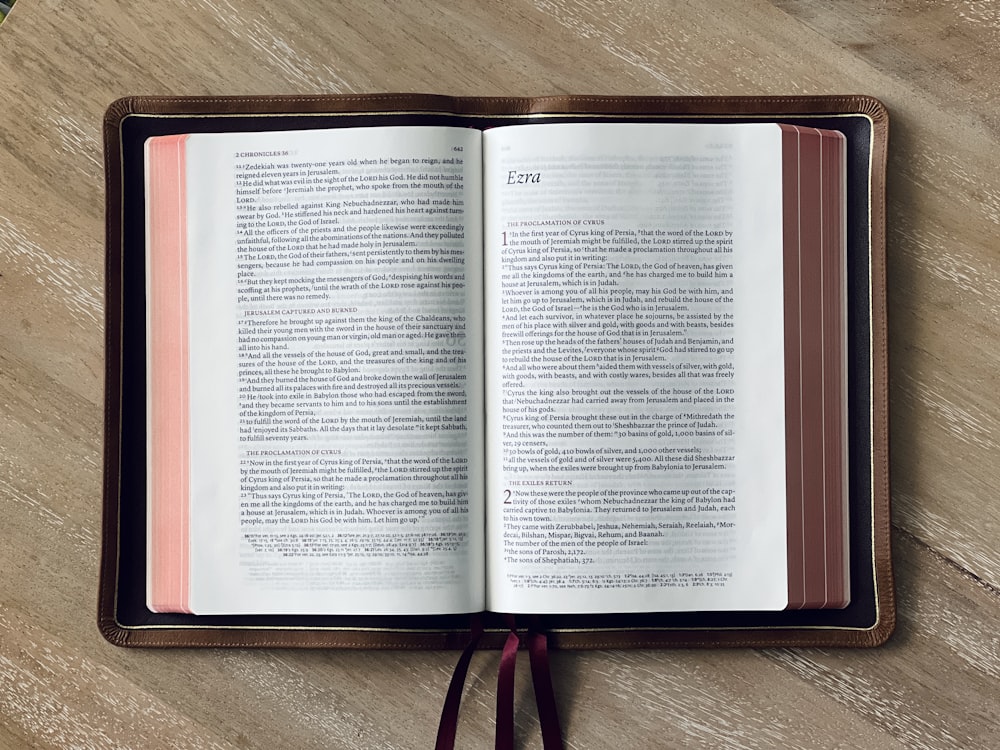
(536, 641)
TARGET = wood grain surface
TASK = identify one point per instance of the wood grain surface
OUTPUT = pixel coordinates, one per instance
(935, 65)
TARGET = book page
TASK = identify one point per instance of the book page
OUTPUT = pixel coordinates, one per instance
(335, 370)
(635, 368)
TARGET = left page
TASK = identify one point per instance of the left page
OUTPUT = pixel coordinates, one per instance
(330, 419)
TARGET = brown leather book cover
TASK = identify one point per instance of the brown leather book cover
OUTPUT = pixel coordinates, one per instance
(857, 331)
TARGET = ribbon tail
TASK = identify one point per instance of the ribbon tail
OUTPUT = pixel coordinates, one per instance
(448, 726)
(505, 690)
(545, 697)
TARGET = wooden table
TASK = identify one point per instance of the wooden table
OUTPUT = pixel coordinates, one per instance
(935, 685)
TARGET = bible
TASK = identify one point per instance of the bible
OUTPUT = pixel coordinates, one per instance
(542, 368)
(380, 367)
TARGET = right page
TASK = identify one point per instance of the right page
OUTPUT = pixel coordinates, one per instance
(636, 439)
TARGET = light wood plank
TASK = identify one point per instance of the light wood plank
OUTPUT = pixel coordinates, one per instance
(933, 686)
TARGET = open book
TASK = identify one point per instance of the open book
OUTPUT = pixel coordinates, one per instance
(552, 368)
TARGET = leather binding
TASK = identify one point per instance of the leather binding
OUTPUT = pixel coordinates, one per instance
(122, 615)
